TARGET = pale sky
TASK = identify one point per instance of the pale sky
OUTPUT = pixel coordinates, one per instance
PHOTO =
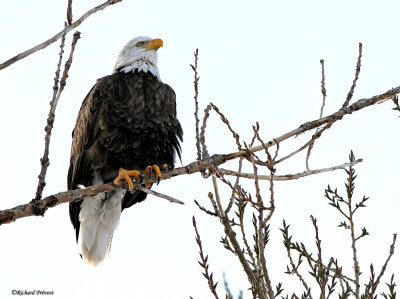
(259, 61)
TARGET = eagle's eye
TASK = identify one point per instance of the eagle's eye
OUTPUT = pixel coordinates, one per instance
(140, 44)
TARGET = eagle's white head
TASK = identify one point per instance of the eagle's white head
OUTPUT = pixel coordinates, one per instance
(139, 54)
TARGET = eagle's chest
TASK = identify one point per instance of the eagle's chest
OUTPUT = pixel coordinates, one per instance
(135, 108)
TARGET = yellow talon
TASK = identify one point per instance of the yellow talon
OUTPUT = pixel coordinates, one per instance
(154, 167)
(126, 174)
(157, 170)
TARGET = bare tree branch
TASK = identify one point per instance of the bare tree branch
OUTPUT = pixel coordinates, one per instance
(391, 252)
(202, 137)
(289, 177)
(234, 187)
(44, 161)
(236, 246)
(196, 103)
(204, 263)
(69, 12)
(225, 121)
(357, 73)
(321, 113)
(58, 35)
(158, 194)
(338, 115)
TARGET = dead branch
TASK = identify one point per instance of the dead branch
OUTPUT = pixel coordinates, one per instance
(58, 35)
(196, 103)
(338, 115)
(158, 194)
(202, 137)
(391, 252)
(225, 121)
(233, 240)
(44, 161)
(321, 113)
(288, 176)
(69, 13)
(39, 207)
(204, 263)
(357, 73)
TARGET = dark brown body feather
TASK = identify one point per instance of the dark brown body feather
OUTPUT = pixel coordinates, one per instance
(127, 120)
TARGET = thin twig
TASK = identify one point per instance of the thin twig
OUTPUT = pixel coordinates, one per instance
(214, 204)
(271, 197)
(356, 266)
(203, 131)
(240, 192)
(295, 152)
(345, 104)
(69, 12)
(259, 238)
(391, 252)
(53, 105)
(167, 197)
(225, 121)
(323, 91)
(357, 73)
(287, 243)
(63, 82)
(288, 177)
(323, 88)
(232, 199)
(204, 263)
(261, 230)
(241, 208)
(44, 161)
(58, 35)
(205, 210)
(217, 198)
(196, 103)
(321, 274)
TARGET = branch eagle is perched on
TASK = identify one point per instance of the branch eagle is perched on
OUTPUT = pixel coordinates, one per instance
(126, 122)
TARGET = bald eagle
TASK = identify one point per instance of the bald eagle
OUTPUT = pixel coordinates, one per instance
(127, 125)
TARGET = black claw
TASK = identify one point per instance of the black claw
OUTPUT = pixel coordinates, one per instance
(158, 180)
(150, 171)
(141, 178)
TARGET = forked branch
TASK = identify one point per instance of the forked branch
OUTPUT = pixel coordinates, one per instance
(58, 35)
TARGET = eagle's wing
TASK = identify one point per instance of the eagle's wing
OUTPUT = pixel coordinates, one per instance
(85, 133)
(176, 135)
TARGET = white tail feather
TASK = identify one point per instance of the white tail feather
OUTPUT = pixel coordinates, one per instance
(99, 217)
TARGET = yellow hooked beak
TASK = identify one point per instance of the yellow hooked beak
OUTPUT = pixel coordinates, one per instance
(155, 44)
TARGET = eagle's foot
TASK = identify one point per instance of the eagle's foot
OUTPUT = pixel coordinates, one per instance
(149, 170)
(124, 174)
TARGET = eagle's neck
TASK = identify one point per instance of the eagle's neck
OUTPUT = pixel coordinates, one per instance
(142, 66)
(146, 63)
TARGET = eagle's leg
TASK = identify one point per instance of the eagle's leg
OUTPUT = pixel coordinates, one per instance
(126, 174)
